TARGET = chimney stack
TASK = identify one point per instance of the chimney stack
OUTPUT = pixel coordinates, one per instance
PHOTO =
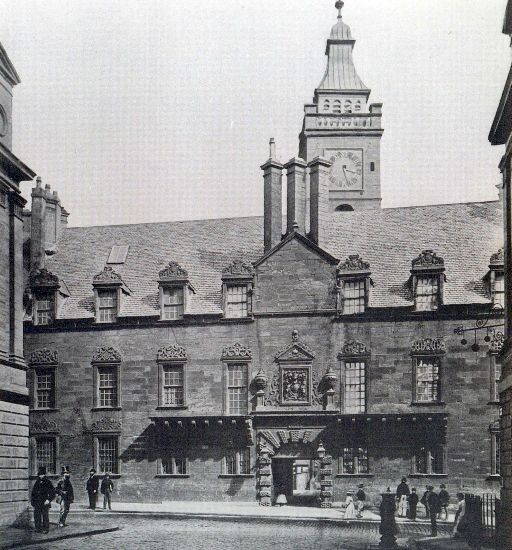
(47, 218)
(272, 201)
(296, 195)
(319, 199)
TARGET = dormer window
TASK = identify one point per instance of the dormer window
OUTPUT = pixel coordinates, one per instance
(44, 286)
(427, 275)
(497, 279)
(175, 292)
(354, 285)
(237, 286)
(108, 287)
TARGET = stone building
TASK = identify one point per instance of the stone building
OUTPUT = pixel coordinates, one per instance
(238, 359)
(500, 134)
(13, 391)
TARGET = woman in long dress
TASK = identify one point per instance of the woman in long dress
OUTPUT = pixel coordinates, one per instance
(459, 516)
(350, 509)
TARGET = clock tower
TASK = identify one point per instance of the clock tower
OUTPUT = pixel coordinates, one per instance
(341, 126)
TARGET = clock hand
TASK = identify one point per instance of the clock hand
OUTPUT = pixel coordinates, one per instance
(352, 171)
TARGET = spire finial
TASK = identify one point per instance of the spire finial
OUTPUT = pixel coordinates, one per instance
(339, 5)
(272, 147)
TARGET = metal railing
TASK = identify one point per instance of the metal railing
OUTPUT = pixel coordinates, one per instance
(482, 515)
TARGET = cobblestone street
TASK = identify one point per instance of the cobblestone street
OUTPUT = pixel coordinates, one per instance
(201, 534)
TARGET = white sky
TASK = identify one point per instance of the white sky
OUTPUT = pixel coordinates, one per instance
(141, 111)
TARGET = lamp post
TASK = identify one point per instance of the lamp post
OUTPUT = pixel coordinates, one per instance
(325, 476)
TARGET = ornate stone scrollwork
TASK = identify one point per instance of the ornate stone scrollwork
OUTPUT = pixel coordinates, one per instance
(43, 278)
(174, 352)
(428, 345)
(43, 356)
(238, 269)
(106, 355)
(43, 425)
(237, 351)
(272, 399)
(108, 275)
(354, 263)
(105, 424)
(173, 272)
(427, 259)
(497, 342)
(353, 348)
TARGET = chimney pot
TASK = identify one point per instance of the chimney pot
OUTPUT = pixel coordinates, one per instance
(272, 148)
(39, 180)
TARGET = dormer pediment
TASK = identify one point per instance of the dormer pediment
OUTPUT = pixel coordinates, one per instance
(296, 351)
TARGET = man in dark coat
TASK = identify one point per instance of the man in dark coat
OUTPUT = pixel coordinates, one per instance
(412, 499)
(65, 492)
(434, 507)
(107, 486)
(444, 500)
(424, 501)
(42, 495)
(92, 486)
(402, 492)
(361, 498)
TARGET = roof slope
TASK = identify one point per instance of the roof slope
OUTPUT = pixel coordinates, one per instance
(465, 235)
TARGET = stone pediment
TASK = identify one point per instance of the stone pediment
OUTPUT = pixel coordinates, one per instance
(296, 351)
(7, 68)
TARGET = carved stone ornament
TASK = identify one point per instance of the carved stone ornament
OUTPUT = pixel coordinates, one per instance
(172, 353)
(354, 348)
(43, 356)
(239, 270)
(43, 278)
(105, 424)
(272, 399)
(42, 426)
(427, 259)
(173, 272)
(354, 263)
(498, 258)
(295, 385)
(428, 345)
(106, 355)
(496, 344)
(330, 378)
(296, 350)
(260, 380)
(237, 351)
(107, 276)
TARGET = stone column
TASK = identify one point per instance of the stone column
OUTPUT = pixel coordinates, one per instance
(264, 476)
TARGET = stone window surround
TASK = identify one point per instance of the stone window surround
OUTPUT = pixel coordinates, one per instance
(429, 473)
(108, 280)
(117, 368)
(162, 363)
(226, 363)
(40, 295)
(237, 452)
(105, 435)
(353, 269)
(428, 348)
(173, 455)
(494, 430)
(238, 274)
(44, 283)
(354, 351)
(428, 264)
(36, 369)
(174, 276)
(33, 454)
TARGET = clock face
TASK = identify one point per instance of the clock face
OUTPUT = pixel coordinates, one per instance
(347, 169)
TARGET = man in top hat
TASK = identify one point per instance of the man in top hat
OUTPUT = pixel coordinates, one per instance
(41, 497)
(65, 493)
(92, 486)
(402, 492)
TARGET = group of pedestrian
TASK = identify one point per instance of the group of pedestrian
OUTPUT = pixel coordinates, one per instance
(43, 493)
(436, 504)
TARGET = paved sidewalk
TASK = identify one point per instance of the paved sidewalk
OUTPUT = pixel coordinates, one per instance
(14, 537)
(441, 543)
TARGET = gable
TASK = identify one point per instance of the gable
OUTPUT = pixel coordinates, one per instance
(295, 277)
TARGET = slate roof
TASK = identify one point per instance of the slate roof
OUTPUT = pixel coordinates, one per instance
(465, 235)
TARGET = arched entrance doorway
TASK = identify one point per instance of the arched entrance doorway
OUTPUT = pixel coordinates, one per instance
(293, 464)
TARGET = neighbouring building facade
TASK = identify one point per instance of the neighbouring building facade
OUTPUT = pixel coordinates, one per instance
(239, 359)
(13, 390)
(500, 134)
